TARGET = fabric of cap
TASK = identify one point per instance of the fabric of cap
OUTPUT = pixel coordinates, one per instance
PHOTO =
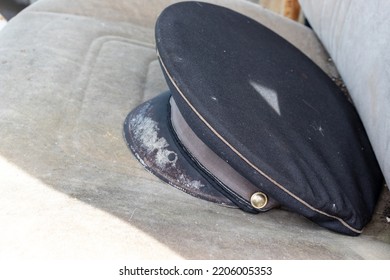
(270, 112)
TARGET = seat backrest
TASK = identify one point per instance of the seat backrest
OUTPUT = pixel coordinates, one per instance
(356, 34)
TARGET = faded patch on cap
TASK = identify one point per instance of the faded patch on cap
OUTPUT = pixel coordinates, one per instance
(155, 148)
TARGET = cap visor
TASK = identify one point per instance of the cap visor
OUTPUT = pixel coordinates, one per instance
(150, 137)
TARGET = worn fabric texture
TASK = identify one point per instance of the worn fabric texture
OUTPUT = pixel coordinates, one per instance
(357, 35)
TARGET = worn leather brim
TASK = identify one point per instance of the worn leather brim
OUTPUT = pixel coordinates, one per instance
(150, 137)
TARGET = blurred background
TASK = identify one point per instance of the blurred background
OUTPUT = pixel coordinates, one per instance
(287, 8)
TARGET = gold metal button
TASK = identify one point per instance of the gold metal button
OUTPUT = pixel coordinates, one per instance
(259, 200)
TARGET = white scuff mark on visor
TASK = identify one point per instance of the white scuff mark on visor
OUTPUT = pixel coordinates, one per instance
(146, 132)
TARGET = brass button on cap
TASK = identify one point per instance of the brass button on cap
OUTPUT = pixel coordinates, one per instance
(259, 200)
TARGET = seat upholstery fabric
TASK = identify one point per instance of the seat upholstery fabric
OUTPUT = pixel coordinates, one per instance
(357, 34)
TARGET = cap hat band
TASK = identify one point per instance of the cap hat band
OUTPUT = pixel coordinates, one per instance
(226, 176)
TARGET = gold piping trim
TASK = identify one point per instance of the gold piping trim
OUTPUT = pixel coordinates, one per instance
(246, 160)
